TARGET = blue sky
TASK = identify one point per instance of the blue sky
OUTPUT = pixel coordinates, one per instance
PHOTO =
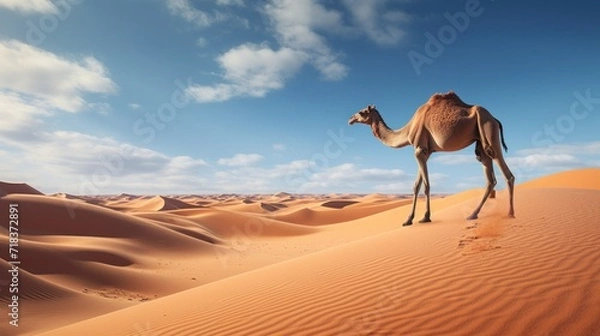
(183, 96)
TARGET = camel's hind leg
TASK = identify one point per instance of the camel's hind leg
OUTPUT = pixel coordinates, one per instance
(488, 169)
(510, 181)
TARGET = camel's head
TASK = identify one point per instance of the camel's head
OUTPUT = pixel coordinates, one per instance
(364, 116)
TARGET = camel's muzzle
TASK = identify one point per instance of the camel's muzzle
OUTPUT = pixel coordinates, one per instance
(351, 121)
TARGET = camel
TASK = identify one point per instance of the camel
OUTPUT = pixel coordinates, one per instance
(445, 124)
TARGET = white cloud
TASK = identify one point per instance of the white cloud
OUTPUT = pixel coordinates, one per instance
(250, 70)
(547, 161)
(349, 174)
(405, 186)
(590, 148)
(379, 24)
(134, 106)
(17, 111)
(34, 84)
(397, 188)
(102, 108)
(534, 162)
(454, 159)
(80, 163)
(469, 185)
(43, 78)
(296, 23)
(279, 147)
(550, 157)
(241, 160)
(306, 176)
(29, 6)
(292, 168)
(185, 10)
(230, 2)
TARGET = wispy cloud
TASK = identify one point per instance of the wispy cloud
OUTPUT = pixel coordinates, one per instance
(102, 108)
(134, 106)
(453, 159)
(545, 161)
(230, 2)
(348, 174)
(29, 6)
(22, 117)
(379, 24)
(589, 148)
(201, 42)
(307, 176)
(185, 10)
(279, 147)
(533, 162)
(241, 160)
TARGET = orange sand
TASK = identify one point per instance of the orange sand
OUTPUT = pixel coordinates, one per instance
(300, 265)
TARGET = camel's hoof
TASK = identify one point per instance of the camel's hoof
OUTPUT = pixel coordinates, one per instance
(472, 217)
(425, 220)
(511, 216)
(409, 223)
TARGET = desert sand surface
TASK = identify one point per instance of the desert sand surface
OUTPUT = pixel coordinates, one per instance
(286, 264)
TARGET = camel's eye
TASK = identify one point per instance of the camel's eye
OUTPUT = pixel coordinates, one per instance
(363, 113)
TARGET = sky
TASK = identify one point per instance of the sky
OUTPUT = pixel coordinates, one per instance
(232, 96)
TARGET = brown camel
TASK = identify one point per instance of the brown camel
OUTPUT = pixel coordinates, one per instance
(445, 124)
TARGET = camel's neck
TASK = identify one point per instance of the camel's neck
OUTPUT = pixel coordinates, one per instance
(389, 137)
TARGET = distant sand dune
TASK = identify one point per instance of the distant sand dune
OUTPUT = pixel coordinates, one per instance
(330, 215)
(271, 207)
(338, 204)
(156, 203)
(230, 223)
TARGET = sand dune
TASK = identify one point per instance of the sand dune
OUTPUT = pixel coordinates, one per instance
(584, 179)
(156, 203)
(17, 188)
(323, 215)
(256, 265)
(272, 206)
(529, 279)
(338, 204)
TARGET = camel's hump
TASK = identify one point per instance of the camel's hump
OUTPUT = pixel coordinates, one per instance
(449, 96)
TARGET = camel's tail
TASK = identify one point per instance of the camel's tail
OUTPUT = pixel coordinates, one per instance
(502, 135)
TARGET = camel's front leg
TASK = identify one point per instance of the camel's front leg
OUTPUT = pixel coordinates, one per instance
(422, 156)
(416, 189)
